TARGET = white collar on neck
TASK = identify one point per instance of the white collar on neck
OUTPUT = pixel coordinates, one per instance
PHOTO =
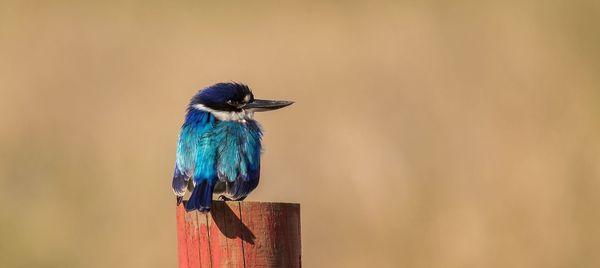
(241, 116)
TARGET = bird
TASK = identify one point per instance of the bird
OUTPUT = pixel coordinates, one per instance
(220, 145)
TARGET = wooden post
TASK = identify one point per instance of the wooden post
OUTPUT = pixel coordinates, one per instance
(240, 234)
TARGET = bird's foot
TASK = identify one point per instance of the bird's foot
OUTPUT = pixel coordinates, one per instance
(224, 198)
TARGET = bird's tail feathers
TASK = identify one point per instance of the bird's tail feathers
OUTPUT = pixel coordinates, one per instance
(201, 198)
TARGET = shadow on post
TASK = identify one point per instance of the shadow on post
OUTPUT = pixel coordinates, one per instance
(229, 223)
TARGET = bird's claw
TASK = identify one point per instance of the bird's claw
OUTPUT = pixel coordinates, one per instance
(224, 198)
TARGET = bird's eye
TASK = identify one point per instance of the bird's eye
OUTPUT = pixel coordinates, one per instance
(236, 104)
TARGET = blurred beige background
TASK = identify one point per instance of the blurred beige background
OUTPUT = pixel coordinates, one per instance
(424, 134)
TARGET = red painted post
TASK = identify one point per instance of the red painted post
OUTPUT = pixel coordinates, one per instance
(240, 234)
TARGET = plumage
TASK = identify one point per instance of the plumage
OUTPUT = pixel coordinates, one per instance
(220, 145)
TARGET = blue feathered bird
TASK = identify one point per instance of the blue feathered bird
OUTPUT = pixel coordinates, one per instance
(219, 146)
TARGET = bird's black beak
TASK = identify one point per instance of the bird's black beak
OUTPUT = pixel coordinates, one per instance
(266, 105)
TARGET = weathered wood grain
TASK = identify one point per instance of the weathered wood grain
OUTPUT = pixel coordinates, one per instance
(226, 250)
(192, 239)
(181, 238)
(240, 234)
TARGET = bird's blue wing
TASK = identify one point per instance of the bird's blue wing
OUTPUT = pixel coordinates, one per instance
(195, 152)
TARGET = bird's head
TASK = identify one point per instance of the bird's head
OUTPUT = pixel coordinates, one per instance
(232, 102)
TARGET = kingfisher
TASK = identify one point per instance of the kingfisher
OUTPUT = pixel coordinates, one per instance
(219, 146)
